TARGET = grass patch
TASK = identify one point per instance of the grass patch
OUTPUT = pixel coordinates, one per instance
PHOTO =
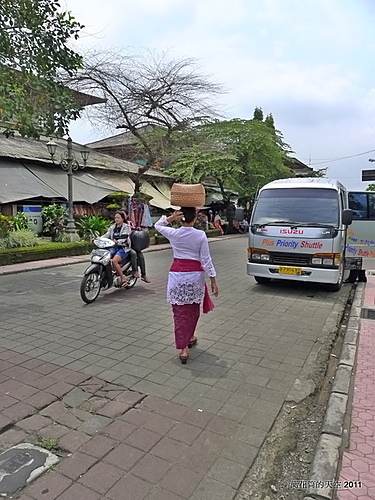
(50, 444)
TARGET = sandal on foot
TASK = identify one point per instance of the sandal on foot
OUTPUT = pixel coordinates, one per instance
(145, 279)
(193, 342)
(124, 283)
(183, 359)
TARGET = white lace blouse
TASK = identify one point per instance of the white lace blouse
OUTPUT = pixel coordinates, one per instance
(187, 243)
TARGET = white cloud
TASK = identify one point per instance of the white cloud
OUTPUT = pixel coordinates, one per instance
(309, 62)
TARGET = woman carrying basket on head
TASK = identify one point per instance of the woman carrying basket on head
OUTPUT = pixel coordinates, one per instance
(186, 288)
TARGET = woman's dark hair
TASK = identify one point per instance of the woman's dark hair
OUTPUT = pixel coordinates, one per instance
(123, 214)
(189, 213)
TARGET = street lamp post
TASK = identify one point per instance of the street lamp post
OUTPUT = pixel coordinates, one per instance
(70, 164)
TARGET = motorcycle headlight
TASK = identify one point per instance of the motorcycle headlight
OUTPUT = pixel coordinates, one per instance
(105, 259)
(102, 256)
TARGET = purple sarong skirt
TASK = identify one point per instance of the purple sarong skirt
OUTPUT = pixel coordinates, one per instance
(185, 322)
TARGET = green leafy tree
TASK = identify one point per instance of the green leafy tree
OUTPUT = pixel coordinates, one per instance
(269, 121)
(321, 172)
(198, 156)
(240, 155)
(258, 114)
(370, 187)
(34, 50)
(261, 151)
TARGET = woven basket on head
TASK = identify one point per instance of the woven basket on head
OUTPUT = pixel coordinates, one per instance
(188, 195)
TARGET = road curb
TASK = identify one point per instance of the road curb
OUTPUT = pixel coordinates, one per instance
(325, 466)
(304, 385)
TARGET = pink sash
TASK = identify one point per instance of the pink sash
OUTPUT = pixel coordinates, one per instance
(186, 266)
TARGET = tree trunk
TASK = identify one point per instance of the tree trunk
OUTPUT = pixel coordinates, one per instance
(222, 190)
(138, 178)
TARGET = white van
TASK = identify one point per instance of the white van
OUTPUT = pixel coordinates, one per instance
(298, 231)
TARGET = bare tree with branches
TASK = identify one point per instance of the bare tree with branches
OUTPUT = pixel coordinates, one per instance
(142, 91)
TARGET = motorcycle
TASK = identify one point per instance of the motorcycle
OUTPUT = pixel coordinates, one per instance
(100, 273)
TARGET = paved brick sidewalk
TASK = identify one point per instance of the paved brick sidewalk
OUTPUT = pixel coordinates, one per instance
(211, 417)
(358, 461)
(115, 443)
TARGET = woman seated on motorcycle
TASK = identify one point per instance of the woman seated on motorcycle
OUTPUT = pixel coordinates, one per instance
(121, 230)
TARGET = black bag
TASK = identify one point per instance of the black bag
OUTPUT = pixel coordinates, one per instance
(140, 240)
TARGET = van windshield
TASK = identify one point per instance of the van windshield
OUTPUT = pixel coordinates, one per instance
(298, 206)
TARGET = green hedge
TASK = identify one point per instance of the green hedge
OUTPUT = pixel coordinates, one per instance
(211, 233)
(55, 250)
(159, 239)
(45, 251)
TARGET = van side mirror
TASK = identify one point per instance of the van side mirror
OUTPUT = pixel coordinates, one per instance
(347, 216)
(239, 214)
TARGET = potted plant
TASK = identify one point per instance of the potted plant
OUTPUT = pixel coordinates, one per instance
(54, 219)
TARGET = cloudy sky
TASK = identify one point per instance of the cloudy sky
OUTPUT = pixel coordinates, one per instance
(311, 63)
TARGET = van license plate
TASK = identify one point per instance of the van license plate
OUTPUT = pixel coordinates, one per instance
(290, 270)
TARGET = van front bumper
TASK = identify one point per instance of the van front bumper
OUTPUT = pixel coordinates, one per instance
(309, 274)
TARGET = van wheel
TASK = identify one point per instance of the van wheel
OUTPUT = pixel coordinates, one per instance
(261, 280)
(337, 286)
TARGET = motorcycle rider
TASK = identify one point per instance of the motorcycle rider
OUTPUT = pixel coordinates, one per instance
(121, 230)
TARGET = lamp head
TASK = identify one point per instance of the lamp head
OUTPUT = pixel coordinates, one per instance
(85, 154)
(51, 146)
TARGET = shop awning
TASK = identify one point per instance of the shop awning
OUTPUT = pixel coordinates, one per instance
(164, 188)
(121, 181)
(86, 187)
(18, 183)
(158, 199)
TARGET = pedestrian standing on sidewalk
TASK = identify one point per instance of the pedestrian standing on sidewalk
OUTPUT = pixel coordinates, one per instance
(356, 275)
(217, 223)
(187, 288)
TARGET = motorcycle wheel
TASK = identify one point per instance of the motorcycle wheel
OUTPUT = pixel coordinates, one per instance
(131, 279)
(90, 287)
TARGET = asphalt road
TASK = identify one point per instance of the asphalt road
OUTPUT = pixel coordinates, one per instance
(251, 348)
